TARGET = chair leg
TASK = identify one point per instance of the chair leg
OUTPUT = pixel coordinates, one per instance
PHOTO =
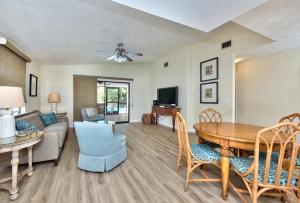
(254, 195)
(178, 161)
(188, 174)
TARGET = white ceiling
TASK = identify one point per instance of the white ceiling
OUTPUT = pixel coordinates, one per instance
(203, 15)
(70, 31)
(276, 19)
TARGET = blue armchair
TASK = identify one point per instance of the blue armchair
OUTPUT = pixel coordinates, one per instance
(94, 117)
(100, 149)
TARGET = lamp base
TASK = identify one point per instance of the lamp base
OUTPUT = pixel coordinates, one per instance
(54, 107)
(7, 124)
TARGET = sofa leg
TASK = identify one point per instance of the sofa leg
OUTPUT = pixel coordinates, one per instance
(56, 162)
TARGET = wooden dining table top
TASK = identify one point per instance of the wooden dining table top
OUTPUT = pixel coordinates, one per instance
(231, 131)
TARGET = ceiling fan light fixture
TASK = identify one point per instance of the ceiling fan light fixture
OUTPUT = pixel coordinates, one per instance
(120, 59)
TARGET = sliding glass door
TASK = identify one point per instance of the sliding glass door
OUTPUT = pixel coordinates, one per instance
(113, 100)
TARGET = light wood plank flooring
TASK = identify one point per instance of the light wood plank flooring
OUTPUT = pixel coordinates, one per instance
(148, 175)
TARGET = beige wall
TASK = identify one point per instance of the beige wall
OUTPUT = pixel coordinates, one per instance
(33, 103)
(184, 71)
(176, 74)
(59, 78)
(268, 88)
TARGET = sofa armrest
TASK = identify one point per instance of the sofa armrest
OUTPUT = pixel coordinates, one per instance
(62, 119)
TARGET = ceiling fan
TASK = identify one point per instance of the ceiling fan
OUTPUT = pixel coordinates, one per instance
(121, 55)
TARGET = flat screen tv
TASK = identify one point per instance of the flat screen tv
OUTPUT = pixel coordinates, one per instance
(167, 96)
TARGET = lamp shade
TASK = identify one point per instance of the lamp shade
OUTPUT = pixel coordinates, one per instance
(11, 97)
(54, 97)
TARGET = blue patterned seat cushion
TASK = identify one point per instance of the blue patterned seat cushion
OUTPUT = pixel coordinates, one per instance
(298, 162)
(48, 119)
(204, 152)
(242, 164)
(275, 156)
(22, 125)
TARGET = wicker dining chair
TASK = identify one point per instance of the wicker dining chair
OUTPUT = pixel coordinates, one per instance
(294, 118)
(267, 174)
(210, 115)
(181, 145)
(196, 155)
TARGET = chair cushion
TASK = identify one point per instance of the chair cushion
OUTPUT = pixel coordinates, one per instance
(242, 164)
(60, 129)
(204, 152)
(22, 125)
(91, 112)
(48, 119)
(298, 162)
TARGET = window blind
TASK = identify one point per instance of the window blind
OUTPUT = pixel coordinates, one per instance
(12, 69)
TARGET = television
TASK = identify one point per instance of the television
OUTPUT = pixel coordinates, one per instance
(167, 96)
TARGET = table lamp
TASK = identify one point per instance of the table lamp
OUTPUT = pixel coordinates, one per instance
(10, 97)
(54, 98)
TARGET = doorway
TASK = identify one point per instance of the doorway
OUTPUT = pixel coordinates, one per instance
(113, 100)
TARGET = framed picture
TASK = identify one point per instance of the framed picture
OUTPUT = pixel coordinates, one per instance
(209, 93)
(209, 70)
(33, 83)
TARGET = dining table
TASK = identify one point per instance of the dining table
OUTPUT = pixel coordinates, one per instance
(228, 136)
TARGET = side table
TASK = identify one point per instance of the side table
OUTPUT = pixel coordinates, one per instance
(14, 144)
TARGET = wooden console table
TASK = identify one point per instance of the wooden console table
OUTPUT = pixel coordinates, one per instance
(166, 111)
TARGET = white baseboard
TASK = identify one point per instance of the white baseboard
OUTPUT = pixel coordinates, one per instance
(135, 121)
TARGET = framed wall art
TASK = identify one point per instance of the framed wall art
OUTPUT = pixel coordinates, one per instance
(33, 84)
(209, 70)
(209, 93)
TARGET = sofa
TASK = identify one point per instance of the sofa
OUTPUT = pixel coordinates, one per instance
(101, 150)
(51, 145)
(91, 114)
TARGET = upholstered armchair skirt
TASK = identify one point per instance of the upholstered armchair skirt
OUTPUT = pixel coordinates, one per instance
(100, 149)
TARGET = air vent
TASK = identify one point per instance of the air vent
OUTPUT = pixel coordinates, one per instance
(226, 44)
(166, 64)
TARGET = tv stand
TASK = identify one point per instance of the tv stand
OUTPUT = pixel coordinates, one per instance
(165, 111)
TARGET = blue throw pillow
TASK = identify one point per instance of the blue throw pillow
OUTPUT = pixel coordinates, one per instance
(48, 119)
(22, 125)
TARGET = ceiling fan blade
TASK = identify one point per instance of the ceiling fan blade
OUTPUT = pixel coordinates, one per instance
(128, 58)
(111, 57)
(135, 54)
(105, 51)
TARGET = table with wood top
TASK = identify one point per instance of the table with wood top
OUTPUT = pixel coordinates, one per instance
(228, 135)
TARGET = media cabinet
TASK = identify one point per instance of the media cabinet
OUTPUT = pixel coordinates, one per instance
(165, 111)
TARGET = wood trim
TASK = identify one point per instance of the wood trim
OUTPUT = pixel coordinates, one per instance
(17, 51)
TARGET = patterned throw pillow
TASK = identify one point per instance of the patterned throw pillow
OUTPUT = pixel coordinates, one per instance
(22, 125)
(48, 119)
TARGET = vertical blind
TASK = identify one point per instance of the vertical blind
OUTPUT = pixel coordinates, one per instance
(12, 69)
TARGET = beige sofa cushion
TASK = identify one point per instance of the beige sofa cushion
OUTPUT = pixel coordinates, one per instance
(60, 129)
(34, 119)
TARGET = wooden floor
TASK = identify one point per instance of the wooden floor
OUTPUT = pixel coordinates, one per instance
(148, 175)
(122, 117)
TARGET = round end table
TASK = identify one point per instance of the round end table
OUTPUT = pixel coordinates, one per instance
(14, 144)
